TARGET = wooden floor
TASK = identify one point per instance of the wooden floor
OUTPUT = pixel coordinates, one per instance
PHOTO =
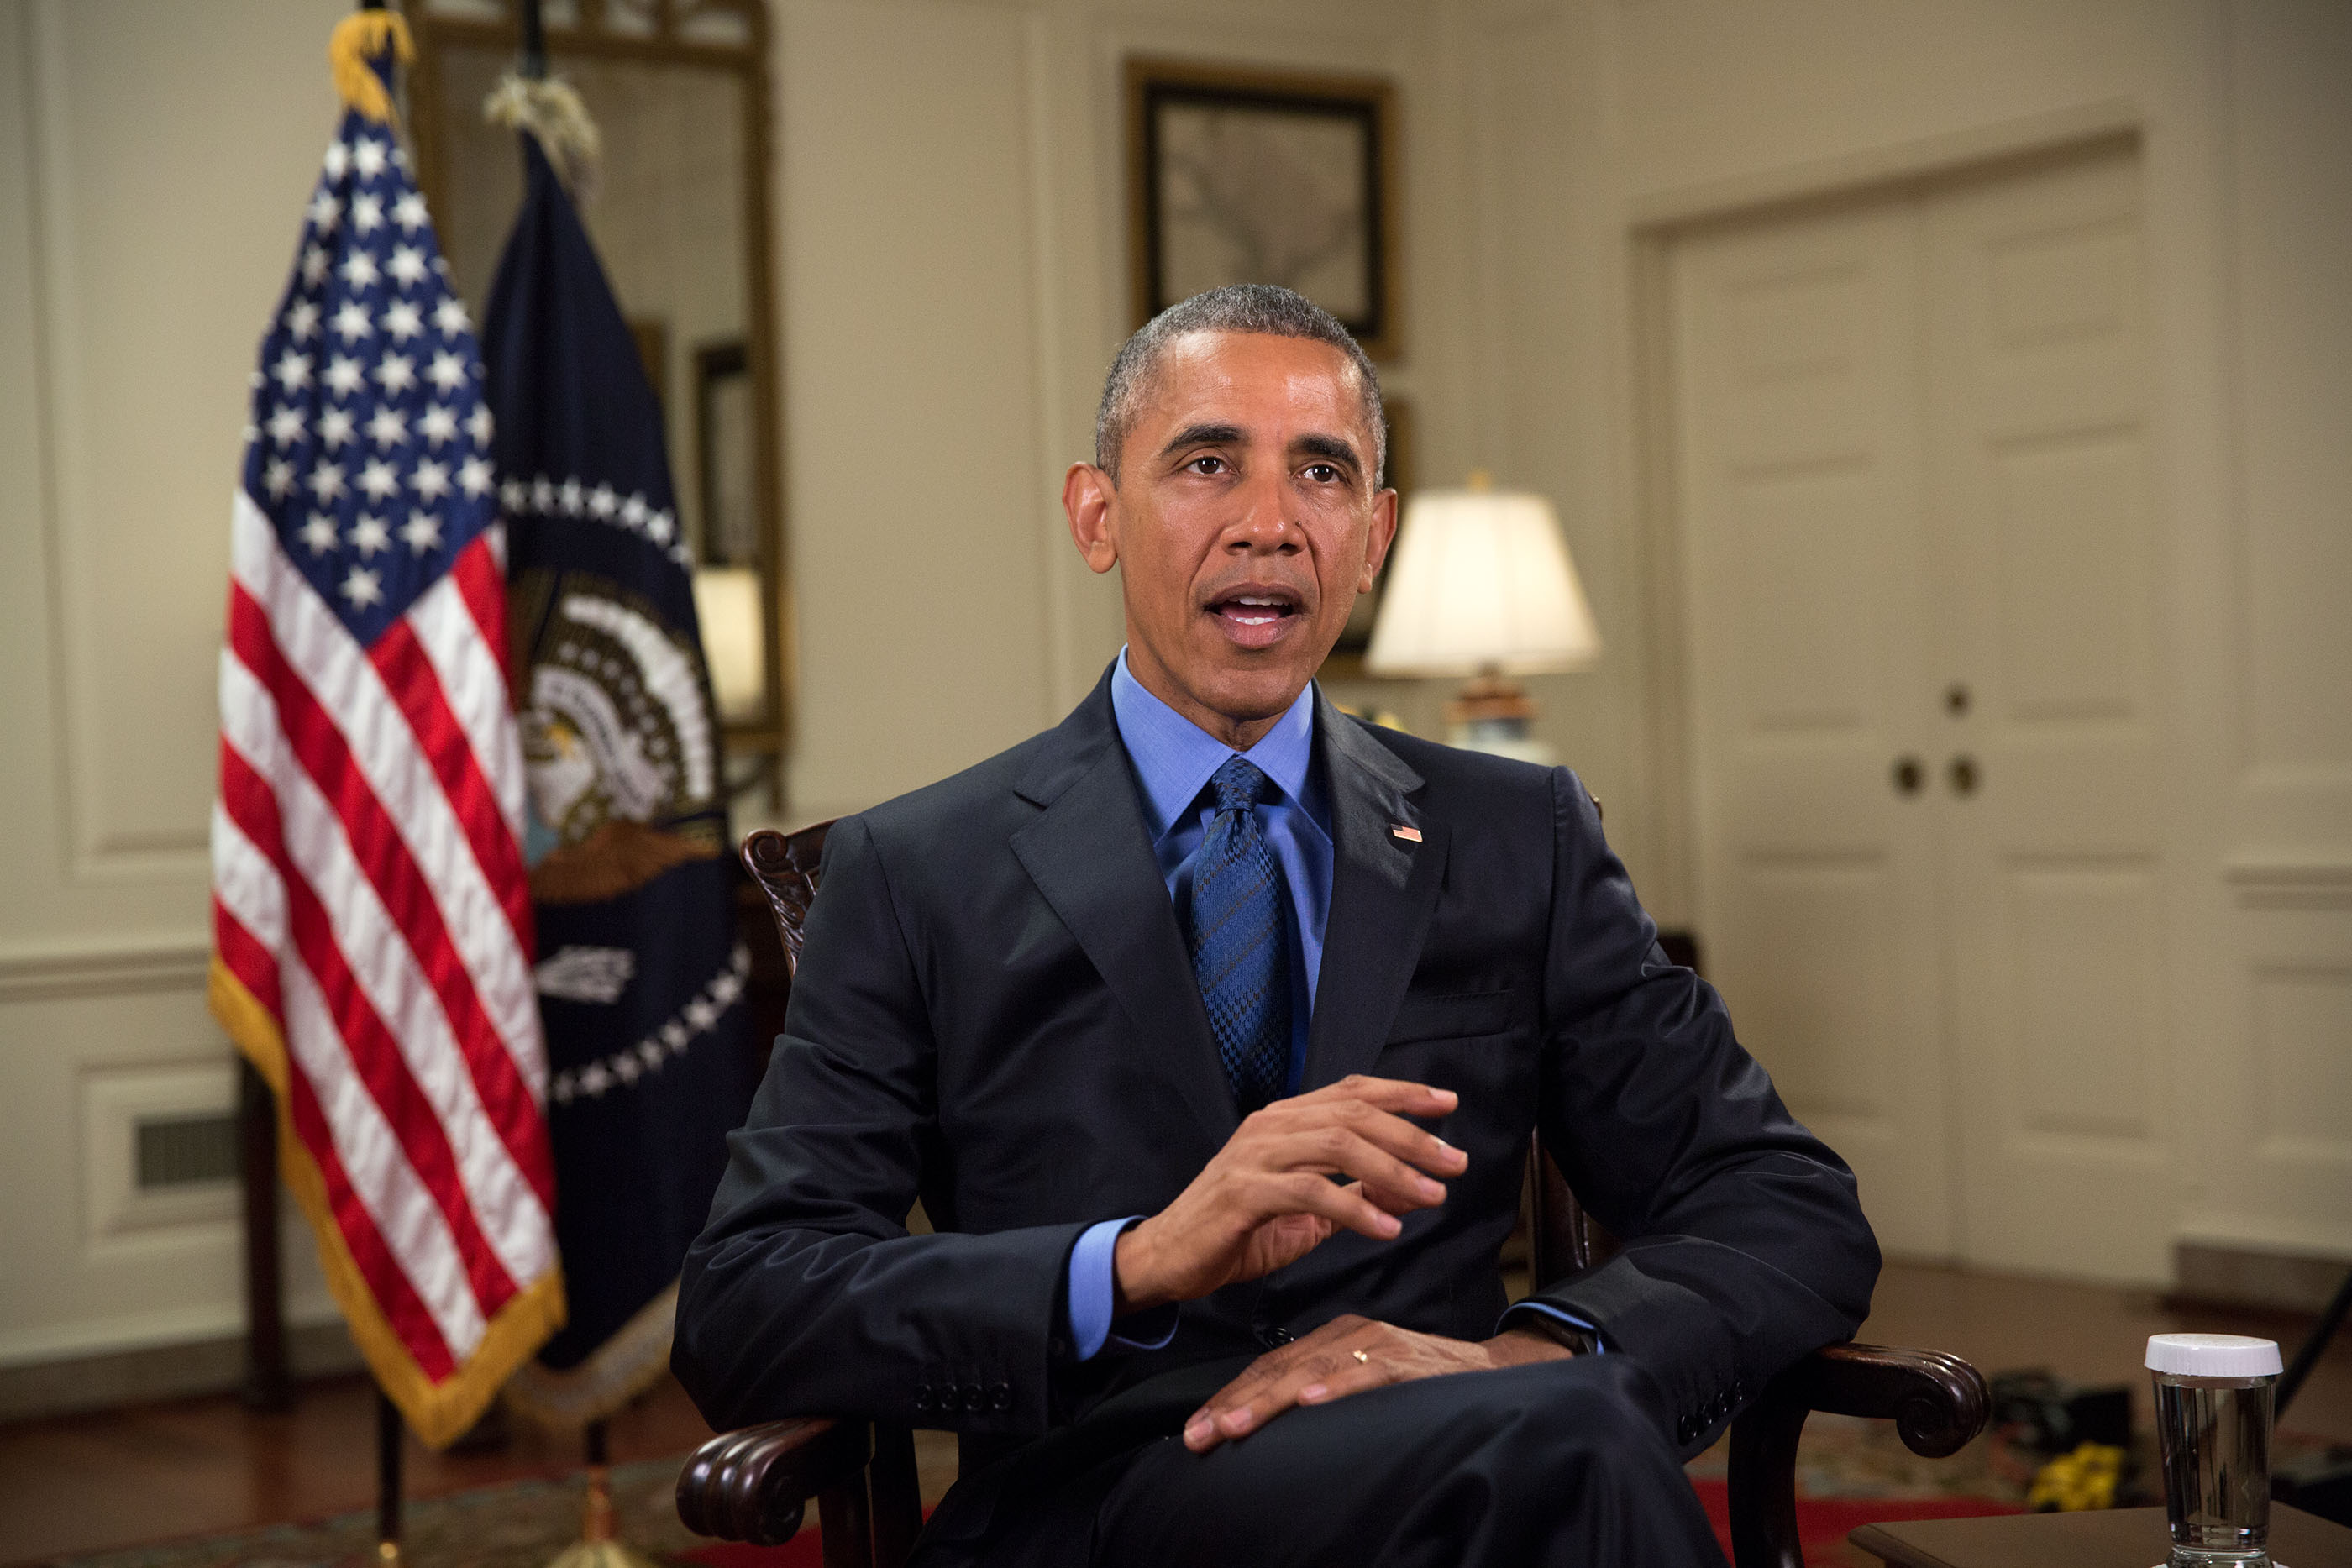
(198, 1465)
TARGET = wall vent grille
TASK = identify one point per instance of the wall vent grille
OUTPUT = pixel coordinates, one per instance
(173, 1153)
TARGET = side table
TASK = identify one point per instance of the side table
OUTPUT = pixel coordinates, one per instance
(2113, 1538)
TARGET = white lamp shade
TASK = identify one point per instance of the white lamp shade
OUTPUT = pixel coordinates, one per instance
(734, 640)
(1482, 580)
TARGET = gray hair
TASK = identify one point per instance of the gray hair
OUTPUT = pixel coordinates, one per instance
(1237, 307)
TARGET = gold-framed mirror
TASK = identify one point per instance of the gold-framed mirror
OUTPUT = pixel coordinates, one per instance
(678, 89)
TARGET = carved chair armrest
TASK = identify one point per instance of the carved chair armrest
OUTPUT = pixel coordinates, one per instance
(753, 1485)
(1937, 1402)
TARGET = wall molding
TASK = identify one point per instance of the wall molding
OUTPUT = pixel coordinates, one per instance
(1861, 171)
(2289, 881)
(102, 969)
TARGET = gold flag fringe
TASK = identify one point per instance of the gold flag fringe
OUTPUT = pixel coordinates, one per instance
(551, 109)
(359, 38)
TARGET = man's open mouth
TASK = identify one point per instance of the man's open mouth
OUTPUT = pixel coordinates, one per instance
(1254, 609)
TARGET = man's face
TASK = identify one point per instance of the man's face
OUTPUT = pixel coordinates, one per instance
(1246, 520)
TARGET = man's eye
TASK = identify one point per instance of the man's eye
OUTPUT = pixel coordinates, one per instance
(1325, 472)
(1207, 462)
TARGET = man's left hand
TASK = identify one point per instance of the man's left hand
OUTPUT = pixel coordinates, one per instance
(1348, 1355)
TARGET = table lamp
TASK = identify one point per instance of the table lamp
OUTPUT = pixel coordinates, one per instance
(1481, 585)
(734, 640)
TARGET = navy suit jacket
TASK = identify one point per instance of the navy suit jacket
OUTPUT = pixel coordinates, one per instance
(995, 1010)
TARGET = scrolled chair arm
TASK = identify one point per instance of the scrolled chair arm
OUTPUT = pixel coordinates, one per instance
(753, 1485)
(1937, 1402)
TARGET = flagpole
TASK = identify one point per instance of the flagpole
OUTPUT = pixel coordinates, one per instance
(389, 1427)
(388, 1434)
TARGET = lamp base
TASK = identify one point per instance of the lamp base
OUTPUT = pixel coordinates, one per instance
(1492, 714)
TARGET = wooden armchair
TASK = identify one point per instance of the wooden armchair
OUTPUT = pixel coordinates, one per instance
(754, 1485)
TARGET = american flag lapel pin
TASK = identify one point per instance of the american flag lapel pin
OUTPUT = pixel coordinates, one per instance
(1409, 835)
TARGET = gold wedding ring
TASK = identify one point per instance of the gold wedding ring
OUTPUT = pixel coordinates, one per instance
(1359, 1355)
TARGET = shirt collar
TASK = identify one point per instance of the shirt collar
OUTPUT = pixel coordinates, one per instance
(1175, 757)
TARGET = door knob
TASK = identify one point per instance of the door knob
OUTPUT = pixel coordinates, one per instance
(1963, 774)
(1907, 775)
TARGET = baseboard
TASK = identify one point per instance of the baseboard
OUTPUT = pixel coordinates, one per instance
(2248, 1277)
(116, 1378)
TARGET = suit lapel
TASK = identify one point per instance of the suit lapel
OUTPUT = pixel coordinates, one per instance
(1089, 857)
(1383, 888)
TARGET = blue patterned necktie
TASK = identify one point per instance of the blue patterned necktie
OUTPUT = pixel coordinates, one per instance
(1238, 953)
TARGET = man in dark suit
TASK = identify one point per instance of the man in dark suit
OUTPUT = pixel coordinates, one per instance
(1209, 1027)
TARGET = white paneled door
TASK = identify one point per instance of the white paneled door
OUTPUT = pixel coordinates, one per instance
(1912, 438)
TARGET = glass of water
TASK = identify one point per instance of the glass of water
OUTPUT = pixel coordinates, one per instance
(2213, 1431)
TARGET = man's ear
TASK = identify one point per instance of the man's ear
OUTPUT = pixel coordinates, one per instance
(1380, 536)
(1087, 495)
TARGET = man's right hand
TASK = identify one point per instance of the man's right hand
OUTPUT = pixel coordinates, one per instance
(1266, 1199)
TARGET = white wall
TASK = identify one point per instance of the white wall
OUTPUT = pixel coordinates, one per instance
(951, 282)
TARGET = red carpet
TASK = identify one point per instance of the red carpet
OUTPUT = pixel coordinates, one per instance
(1822, 1527)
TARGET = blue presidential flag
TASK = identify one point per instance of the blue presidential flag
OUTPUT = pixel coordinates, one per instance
(640, 976)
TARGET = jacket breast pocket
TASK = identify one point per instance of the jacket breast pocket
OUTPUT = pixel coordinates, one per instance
(1463, 1016)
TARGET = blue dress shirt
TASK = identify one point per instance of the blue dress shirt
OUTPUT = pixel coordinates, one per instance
(1174, 758)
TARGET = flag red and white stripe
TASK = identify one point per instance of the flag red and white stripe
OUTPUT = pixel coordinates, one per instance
(369, 903)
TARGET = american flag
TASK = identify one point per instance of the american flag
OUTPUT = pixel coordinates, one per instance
(371, 921)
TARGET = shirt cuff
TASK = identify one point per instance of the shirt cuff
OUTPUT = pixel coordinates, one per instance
(1556, 1313)
(1094, 1291)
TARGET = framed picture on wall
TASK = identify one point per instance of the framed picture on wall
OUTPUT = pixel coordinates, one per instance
(1250, 176)
(724, 438)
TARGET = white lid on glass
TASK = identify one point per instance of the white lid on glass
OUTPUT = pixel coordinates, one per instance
(2213, 1355)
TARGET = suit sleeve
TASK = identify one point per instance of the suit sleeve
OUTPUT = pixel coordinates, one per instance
(805, 1295)
(1745, 1242)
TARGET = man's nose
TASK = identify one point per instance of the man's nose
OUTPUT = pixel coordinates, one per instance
(1266, 524)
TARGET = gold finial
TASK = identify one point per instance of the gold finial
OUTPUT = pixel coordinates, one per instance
(357, 39)
(1480, 481)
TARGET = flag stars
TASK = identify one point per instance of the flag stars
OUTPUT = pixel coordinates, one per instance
(363, 588)
(370, 534)
(286, 425)
(367, 213)
(450, 317)
(379, 480)
(422, 533)
(387, 427)
(319, 533)
(314, 271)
(438, 426)
(401, 322)
(335, 427)
(338, 161)
(473, 477)
(292, 370)
(407, 265)
(325, 213)
(368, 156)
(395, 373)
(351, 322)
(327, 481)
(302, 320)
(408, 212)
(277, 478)
(449, 372)
(633, 512)
(602, 503)
(360, 270)
(658, 527)
(430, 481)
(512, 495)
(479, 424)
(542, 495)
(344, 376)
(569, 497)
